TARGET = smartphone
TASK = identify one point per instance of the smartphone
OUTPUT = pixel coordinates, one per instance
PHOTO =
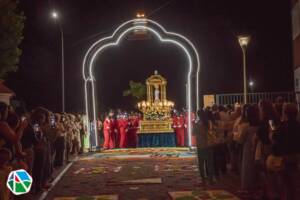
(272, 125)
(36, 128)
(52, 121)
(37, 131)
(23, 118)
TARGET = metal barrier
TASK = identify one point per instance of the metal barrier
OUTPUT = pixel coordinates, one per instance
(225, 99)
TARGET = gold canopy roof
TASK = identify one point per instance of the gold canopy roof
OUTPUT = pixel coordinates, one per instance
(158, 82)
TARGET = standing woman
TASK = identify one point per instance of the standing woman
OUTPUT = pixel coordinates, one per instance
(202, 129)
(38, 120)
(233, 145)
(246, 138)
(59, 142)
(263, 149)
(50, 137)
(285, 144)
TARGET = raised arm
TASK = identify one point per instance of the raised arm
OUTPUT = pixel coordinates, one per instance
(7, 133)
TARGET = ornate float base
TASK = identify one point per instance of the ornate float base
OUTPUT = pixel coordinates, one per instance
(155, 126)
(155, 133)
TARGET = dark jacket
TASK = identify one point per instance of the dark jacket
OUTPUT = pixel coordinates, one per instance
(286, 139)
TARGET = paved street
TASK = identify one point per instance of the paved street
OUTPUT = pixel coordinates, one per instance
(139, 174)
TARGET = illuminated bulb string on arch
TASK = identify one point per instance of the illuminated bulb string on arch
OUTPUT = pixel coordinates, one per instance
(139, 24)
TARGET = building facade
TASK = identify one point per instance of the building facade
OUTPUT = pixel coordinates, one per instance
(5, 93)
(296, 45)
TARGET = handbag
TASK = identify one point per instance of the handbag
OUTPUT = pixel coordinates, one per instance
(275, 163)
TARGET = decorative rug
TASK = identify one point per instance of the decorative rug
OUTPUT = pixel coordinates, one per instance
(97, 170)
(203, 195)
(146, 150)
(100, 197)
(144, 181)
(172, 168)
(152, 152)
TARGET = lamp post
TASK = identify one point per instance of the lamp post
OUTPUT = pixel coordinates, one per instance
(244, 41)
(55, 16)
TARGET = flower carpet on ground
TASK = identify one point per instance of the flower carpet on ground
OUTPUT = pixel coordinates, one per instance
(147, 178)
(202, 195)
(101, 197)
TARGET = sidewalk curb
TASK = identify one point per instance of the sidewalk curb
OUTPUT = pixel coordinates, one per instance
(56, 180)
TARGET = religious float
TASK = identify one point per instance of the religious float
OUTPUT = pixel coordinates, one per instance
(156, 126)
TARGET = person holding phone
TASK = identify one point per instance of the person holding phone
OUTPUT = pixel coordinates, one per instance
(204, 143)
(285, 145)
(59, 144)
(28, 141)
(9, 136)
(247, 135)
(38, 120)
(268, 121)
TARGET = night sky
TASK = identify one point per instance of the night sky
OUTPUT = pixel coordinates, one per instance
(211, 25)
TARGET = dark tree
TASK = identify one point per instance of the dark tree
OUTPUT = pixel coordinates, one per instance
(11, 35)
(136, 90)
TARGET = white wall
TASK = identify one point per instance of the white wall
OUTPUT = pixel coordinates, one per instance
(296, 20)
(5, 98)
(297, 83)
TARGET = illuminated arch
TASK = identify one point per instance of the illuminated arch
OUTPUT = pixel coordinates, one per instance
(140, 24)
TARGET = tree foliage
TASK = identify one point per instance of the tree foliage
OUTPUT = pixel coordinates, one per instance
(136, 90)
(11, 35)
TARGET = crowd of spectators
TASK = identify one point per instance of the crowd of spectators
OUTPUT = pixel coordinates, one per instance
(257, 142)
(38, 141)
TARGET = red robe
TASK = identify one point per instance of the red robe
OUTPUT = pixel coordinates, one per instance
(132, 132)
(123, 128)
(179, 126)
(108, 135)
(115, 134)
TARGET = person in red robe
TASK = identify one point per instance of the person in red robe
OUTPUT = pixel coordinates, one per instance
(115, 132)
(132, 132)
(179, 126)
(108, 134)
(123, 130)
(114, 129)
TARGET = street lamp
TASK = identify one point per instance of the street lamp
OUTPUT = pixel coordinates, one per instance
(251, 84)
(244, 41)
(55, 16)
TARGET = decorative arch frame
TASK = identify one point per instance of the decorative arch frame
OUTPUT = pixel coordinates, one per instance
(140, 24)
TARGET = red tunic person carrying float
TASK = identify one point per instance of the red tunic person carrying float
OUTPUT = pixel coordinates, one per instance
(123, 130)
(179, 126)
(108, 134)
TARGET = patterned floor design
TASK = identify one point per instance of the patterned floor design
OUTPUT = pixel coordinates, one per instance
(145, 152)
(202, 195)
(139, 178)
(101, 197)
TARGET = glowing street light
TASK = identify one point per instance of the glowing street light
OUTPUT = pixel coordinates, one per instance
(140, 15)
(244, 41)
(55, 16)
(251, 85)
